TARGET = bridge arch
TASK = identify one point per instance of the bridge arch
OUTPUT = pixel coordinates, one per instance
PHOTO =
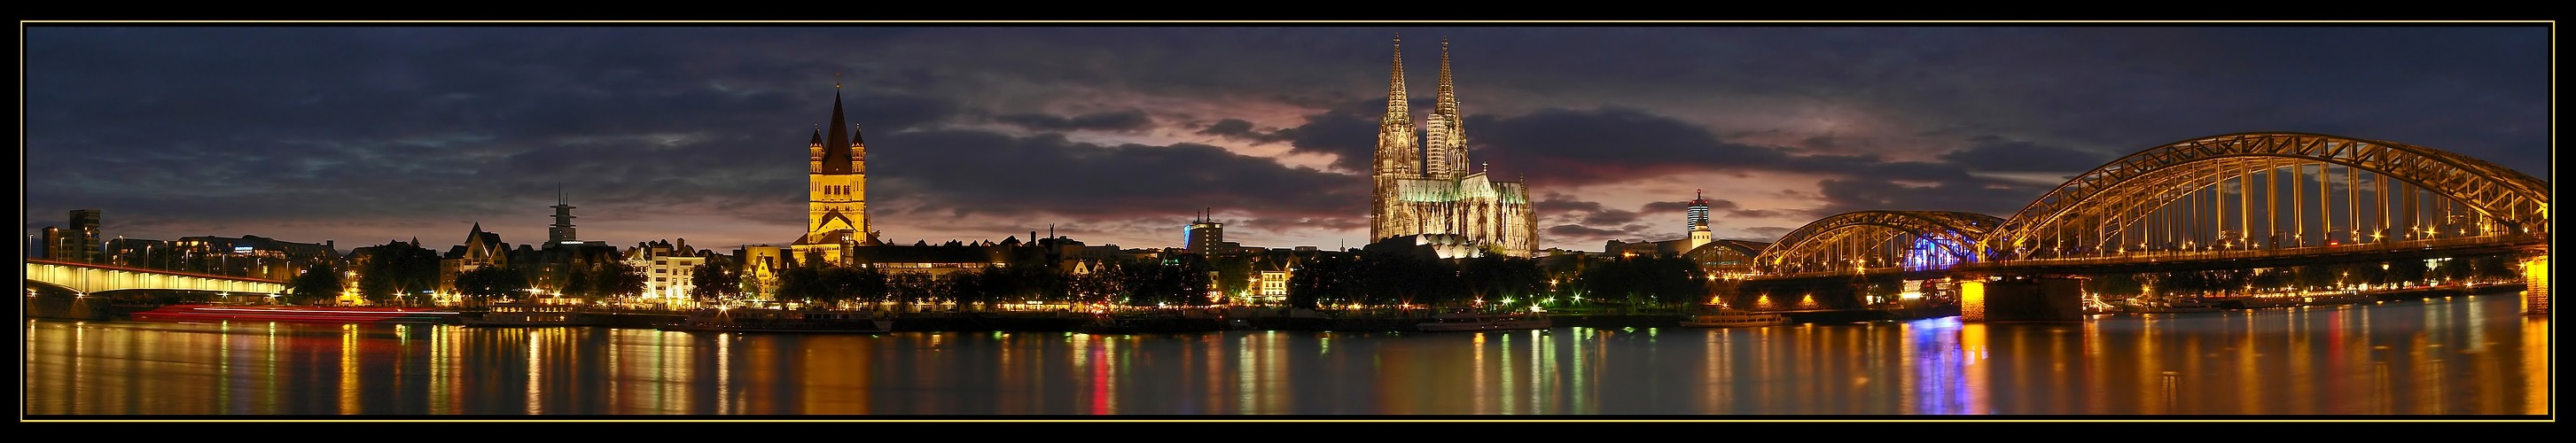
(1867, 239)
(2085, 214)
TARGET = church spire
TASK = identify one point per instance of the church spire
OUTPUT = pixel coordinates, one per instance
(1452, 126)
(1448, 96)
(836, 144)
(1398, 102)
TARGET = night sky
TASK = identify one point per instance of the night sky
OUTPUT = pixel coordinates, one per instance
(1121, 134)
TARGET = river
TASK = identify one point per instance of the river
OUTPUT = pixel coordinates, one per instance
(2458, 355)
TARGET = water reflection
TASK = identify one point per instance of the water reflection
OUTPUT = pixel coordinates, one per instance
(2468, 355)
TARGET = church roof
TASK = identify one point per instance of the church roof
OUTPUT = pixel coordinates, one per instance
(836, 144)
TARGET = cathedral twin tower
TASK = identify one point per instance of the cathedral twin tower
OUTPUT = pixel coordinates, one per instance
(1430, 191)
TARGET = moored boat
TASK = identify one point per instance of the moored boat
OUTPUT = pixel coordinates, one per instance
(297, 314)
(1156, 324)
(1470, 321)
(785, 320)
(535, 315)
(2168, 306)
(1734, 319)
(2345, 298)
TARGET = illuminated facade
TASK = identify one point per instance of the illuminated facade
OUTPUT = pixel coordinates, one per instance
(667, 269)
(1699, 234)
(836, 191)
(1429, 189)
(480, 249)
(761, 265)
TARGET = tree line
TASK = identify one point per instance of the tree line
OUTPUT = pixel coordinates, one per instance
(2317, 277)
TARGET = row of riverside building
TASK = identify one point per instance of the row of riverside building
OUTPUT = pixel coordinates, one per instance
(1428, 199)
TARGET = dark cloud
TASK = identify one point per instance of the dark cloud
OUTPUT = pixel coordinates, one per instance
(1122, 121)
(1238, 129)
(1996, 198)
(661, 132)
(1717, 208)
(1555, 204)
(1579, 231)
(1674, 207)
(962, 172)
(1568, 147)
(1767, 233)
(1609, 217)
(1995, 153)
(1348, 132)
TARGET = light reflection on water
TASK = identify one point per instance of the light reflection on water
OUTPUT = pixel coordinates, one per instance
(2465, 355)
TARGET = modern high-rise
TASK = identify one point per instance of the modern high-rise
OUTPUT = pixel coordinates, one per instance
(1430, 190)
(89, 247)
(836, 191)
(1204, 233)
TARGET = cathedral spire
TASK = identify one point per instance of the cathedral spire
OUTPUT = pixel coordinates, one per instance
(818, 135)
(1398, 102)
(1448, 96)
(1453, 126)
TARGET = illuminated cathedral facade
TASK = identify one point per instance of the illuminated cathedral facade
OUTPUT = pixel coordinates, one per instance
(1429, 191)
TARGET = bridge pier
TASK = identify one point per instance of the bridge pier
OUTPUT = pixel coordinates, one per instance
(2021, 298)
(66, 308)
(2535, 277)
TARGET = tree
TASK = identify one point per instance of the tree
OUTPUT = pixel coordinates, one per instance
(2316, 277)
(1233, 274)
(870, 284)
(2363, 272)
(397, 269)
(1324, 281)
(801, 283)
(969, 287)
(837, 284)
(576, 281)
(908, 289)
(2498, 268)
(711, 281)
(2455, 270)
(615, 278)
(318, 282)
(2408, 272)
(2120, 285)
(485, 283)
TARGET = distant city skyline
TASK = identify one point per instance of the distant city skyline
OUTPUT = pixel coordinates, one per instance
(1122, 135)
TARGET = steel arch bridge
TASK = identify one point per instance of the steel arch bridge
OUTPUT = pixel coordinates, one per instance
(1912, 240)
(2109, 210)
(2233, 201)
(88, 278)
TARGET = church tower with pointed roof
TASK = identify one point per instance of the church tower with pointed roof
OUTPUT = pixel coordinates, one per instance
(836, 179)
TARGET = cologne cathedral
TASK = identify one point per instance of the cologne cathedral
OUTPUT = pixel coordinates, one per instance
(1428, 191)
